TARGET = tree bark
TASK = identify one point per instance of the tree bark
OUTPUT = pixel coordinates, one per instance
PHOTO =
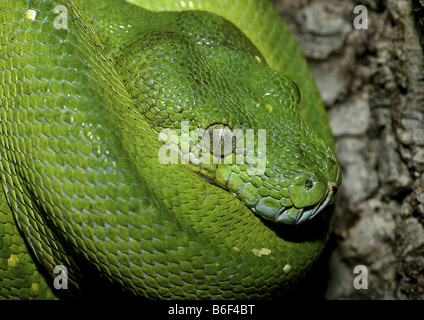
(372, 82)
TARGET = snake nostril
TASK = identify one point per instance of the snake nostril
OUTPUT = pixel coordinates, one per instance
(309, 184)
(335, 189)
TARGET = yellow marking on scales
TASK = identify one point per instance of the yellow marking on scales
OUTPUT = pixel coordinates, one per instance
(263, 251)
(35, 289)
(287, 268)
(269, 107)
(13, 261)
(30, 14)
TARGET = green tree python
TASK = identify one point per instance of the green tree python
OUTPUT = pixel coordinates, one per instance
(164, 149)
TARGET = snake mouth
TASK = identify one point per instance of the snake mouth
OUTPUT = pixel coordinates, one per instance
(293, 215)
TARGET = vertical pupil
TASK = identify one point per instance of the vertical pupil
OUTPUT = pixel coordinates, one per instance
(220, 140)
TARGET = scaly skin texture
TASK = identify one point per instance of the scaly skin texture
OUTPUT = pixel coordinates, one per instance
(88, 115)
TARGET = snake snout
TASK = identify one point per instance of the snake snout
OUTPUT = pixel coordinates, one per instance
(296, 199)
(294, 215)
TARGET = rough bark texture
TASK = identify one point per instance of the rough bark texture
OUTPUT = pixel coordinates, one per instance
(372, 81)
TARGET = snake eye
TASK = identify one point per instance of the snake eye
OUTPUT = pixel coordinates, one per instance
(220, 140)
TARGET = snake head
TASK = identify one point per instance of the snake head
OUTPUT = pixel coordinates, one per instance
(288, 174)
(295, 180)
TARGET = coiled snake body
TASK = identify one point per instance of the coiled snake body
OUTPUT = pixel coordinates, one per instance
(104, 162)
